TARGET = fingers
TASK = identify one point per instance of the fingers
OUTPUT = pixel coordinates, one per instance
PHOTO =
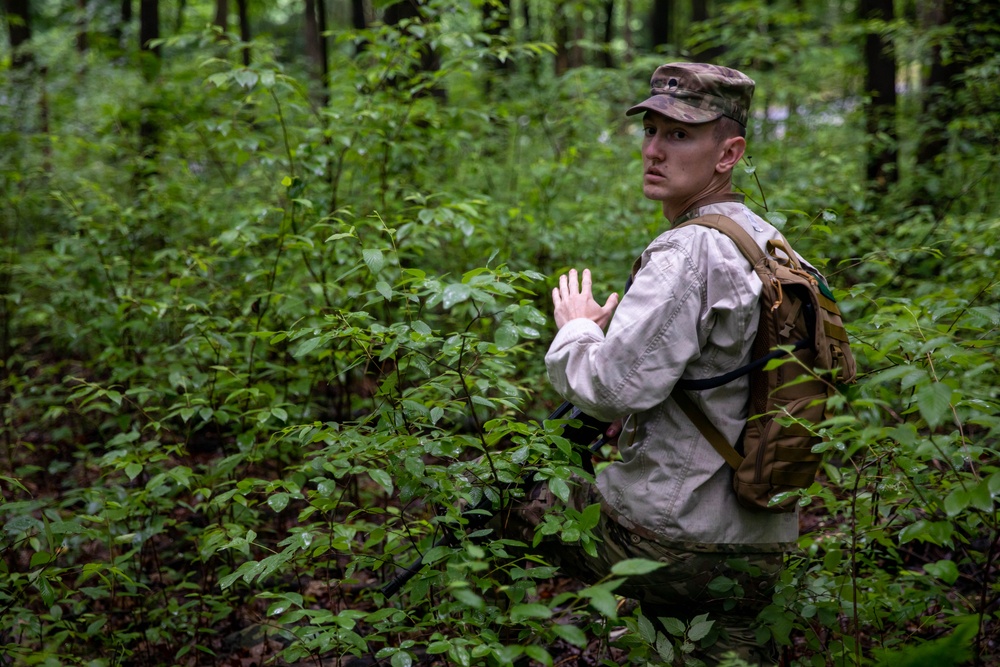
(587, 282)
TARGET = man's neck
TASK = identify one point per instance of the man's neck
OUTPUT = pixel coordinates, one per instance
(692, 209)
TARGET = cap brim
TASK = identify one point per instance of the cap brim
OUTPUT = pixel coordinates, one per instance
(671, 107)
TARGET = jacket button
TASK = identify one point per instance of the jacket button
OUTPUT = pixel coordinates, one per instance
(634, 538)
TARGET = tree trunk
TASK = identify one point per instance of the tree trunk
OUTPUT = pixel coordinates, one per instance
(311, 28)
(241, 9)
(150, 60)
(149, 26)
(315, 25)
(358, 18)
(221, 19)
(627, 32)
(125, 17)
(82, 41)
(660, 23)
(19, 31)
(179, 20)
(609, 33)
(324, 55)
(880, 91)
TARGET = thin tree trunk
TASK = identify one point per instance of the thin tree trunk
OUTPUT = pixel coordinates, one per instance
(19, 31)
(660, 23)
(609, 33)
(314, 25)
(149, 30)
(221, 19)
(880, 88)
(562, 63)
(125, 17)
(149, 26)
(179, 21)
(241, 8)
(312, 34)
(358, 19)
(627, 32)
(576, 58)
(324, 54)
(82, 41)
(937, 107)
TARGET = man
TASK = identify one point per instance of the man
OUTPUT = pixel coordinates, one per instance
(691, 311)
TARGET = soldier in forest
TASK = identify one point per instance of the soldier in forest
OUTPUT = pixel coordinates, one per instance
(690, 310)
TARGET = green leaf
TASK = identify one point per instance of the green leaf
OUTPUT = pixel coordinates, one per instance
(602, 599)
(506, 336)
(374, 259)
(665, 648)
(981, 497)
(384, 289)
(437, 647)
(559, 488)
(436, 413)
(278, 501)
(245, 77)
(635, 566)
(133, 470)
(700, 630)
(945, 570)
(673, 626)
(571, 634)
(401, 659)
(455, 293)
(538, 654)
(521, 612)
(307, 346)
(957, 501)
(777, 219)
(934, 402)
(382, 478)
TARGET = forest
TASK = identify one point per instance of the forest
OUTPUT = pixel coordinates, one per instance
(275, 273)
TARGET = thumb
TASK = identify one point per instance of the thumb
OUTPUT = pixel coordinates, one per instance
(611, 303)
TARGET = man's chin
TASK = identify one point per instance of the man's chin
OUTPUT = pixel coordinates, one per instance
(653, 192)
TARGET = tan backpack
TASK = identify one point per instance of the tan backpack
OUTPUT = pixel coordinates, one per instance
(797, 310)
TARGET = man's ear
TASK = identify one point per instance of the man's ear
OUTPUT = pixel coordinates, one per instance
(732, 152)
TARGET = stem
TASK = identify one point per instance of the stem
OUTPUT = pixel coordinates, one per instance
(854, 567)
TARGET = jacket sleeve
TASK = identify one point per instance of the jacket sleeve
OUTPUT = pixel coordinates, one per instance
(659, 328)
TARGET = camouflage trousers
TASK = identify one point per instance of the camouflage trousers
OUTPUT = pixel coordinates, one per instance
(730, 585)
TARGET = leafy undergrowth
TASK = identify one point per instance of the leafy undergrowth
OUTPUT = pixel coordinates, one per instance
(253, 363)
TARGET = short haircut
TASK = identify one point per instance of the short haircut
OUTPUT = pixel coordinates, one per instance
(726, 127)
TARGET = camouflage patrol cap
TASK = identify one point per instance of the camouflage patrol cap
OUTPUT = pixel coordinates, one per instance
(698, 93)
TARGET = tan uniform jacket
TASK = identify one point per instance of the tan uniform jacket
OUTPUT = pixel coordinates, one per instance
(690, 312)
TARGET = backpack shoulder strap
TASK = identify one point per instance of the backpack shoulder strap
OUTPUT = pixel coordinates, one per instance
(730, 228)
(707, 428)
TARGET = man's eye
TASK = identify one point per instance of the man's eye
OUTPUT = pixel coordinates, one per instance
(679, 134)
(649, 131)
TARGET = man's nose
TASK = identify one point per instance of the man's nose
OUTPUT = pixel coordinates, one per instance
(653, 150)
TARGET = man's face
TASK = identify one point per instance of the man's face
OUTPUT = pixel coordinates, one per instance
(678, 160)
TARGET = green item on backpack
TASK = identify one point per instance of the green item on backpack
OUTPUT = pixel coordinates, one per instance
(797, 316)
